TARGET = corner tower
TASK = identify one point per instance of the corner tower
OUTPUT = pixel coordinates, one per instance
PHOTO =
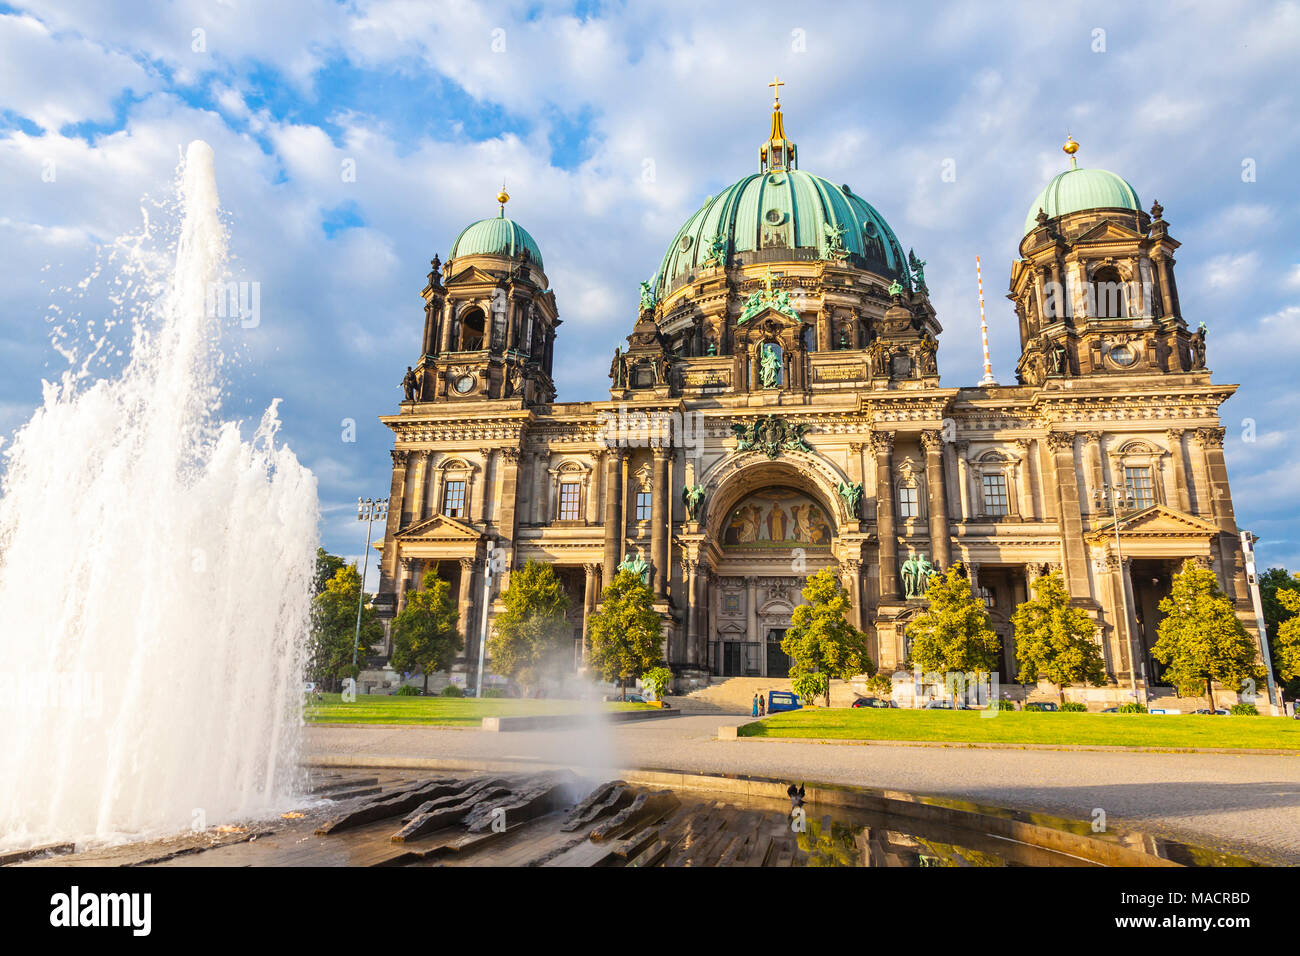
(490, 319)
(1094, 287)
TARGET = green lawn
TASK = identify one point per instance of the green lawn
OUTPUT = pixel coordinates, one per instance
(437, 711)
(1028, 727)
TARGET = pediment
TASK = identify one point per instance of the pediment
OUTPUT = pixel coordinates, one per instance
(771, 319)
(1158, 521)
(1108, 229)
(438, 528)
(472, 275)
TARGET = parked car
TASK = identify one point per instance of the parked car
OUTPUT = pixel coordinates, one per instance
(1042, 705)
(1206, 710)
(1110, 710)
(872, 702)
(632, 698)
(937, 705)
(779, 700)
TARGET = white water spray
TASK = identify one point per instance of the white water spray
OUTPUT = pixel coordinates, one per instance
(155, 572)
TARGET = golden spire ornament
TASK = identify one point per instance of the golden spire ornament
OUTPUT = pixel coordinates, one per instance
(1070, 148)
(503, 197)
(776, 85)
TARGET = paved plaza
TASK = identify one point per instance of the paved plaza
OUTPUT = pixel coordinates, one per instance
(1245, 803)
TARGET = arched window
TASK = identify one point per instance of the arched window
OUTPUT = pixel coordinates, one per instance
(471, 330)
(1107, 290)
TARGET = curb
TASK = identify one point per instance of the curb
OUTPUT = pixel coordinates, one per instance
(732, 733)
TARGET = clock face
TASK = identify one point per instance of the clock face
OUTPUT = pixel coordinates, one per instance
(1123, 356)
(464, 384)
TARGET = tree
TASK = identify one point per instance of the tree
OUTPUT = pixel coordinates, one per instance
(953, 635)
(334, 621)
(327, 565)
(1279, 592)
(426, 633)
(820, 639)
(626, 631)
(1201, 639)
(533, 639)
(1055, 640)
(1285, 647)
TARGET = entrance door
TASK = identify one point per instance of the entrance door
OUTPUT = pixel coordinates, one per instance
(778, 661)
(731, 658)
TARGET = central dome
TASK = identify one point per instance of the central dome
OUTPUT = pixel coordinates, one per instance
(781, 214)
(785, 210)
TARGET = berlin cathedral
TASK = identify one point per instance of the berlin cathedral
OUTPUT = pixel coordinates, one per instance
(777, 409)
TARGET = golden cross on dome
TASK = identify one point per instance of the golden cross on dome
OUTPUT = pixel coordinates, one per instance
(776, 85)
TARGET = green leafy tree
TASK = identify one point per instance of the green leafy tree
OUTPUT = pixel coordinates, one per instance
(1201, 639)
(334, 621)
(1279, 592)
(533, 639)
(1285, 648)
(426, 632)
(954, 633)
(626, 631)
(327, 565)
(658, 679)
(810, 685)
(1055, 640)
(820, 639)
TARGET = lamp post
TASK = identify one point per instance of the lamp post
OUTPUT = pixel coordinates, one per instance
(483, 623)
(1113, 500)
(369, 510)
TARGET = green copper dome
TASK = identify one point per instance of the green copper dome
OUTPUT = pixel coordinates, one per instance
(782, 209)
(498, 236)
(1078, 189)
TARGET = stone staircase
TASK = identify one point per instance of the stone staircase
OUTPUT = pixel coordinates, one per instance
(735, 695)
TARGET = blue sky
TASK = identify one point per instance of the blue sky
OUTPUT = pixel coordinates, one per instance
(611, 123)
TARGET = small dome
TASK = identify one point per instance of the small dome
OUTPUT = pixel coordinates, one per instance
(1077, 189)
(498, 236)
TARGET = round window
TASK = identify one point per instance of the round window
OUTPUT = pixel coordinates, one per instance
(464, 384)
(1123, 356)
(775, 217)
(869, 228)
(685, 243)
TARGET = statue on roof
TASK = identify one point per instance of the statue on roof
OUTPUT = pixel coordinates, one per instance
(647, 296)
(917, 267)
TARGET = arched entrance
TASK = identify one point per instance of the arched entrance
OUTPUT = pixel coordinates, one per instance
(770, 525)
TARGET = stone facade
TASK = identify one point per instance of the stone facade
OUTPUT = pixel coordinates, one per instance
(796, 393)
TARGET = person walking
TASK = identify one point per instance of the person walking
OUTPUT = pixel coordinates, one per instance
(762, 706)
(754, 712)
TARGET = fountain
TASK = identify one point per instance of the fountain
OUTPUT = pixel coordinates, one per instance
(155, 572)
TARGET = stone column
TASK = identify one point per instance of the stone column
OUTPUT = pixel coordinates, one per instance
(851, 578)
(883, 445)
(1025, 479)
(465, 606)
(591, 487)
(507, 510)
(1181, 498)
(1166, 293)
(388, 565)
(420, 465)
(1233, 564)
(444, 344)
(480, 506)
(751, 608)
(613, 512)
(940, 541)
(659, 522)
(590, 596)
(963, 479)
(1093, 441)
(1070, 516)
(689, 567)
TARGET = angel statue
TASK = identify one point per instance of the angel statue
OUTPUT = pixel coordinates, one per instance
(693, 498)
(647, 297)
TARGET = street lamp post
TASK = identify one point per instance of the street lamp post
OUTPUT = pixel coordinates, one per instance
(1252, 578)
(1106, 498)
(369, 510)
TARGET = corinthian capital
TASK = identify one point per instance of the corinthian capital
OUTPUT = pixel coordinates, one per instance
(882, 441)
(1060, 441)
(932, 440)
(1210, 437)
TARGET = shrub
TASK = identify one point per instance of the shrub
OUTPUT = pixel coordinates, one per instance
(408, 690)
(495, 692)
(1074, 707)
(451, 690)
(1006, 705)
(1132, 707)
(658, 680)
(1244, 710)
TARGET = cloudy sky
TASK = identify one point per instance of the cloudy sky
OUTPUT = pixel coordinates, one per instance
(611, 124)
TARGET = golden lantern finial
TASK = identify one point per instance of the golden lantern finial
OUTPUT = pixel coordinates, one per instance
(776, 85)
(503, 197)
(1070, 148)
